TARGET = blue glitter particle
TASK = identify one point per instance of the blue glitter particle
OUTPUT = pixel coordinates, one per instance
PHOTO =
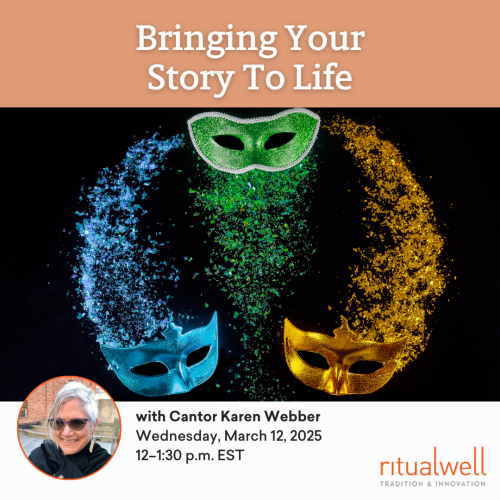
(118, 293)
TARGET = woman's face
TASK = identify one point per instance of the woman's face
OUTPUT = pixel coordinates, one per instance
(71, 441)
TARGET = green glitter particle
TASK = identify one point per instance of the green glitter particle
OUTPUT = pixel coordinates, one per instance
(261, 237)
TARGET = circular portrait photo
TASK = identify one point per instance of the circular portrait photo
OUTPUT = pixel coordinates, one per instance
(69, 427)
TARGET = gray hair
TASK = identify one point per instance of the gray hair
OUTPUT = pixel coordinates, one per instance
(73, 390)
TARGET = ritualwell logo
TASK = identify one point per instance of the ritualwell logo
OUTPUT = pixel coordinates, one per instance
(444, 473)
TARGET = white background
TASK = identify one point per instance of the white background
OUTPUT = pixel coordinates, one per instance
(357, 437)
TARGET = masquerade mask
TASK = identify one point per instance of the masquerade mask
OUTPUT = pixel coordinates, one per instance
(341, 352)
(75, 424)
(173, 353)
(270, 143)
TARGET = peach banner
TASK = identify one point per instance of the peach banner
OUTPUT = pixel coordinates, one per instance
(427, 53)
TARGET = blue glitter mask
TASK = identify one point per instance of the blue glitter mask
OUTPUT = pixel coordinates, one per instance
(173, 353)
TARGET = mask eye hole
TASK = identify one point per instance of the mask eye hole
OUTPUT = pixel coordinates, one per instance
(314, 359)
(364, 367)
(150, 369)
(196, 356)
(279, 139)
(229, 142)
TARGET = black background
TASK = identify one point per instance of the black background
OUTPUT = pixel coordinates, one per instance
(48, 152)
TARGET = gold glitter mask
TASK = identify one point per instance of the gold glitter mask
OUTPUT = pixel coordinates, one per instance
(341, 352)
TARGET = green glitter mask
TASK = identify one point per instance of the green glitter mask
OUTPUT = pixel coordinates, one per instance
(269, 143)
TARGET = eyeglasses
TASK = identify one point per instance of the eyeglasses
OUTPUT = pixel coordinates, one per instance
(75, 424)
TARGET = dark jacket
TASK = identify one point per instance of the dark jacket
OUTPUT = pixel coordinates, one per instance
(49, 458)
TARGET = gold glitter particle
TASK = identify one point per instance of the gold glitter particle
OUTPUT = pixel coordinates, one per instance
(398, 274)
